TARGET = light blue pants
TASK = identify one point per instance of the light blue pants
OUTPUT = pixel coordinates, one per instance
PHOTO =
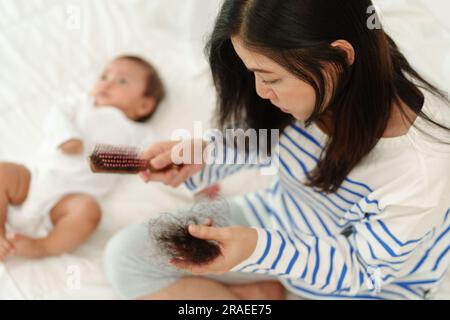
(134, 270)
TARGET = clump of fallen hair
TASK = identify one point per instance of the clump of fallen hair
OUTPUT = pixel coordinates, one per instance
(174, 239)
(171, 237)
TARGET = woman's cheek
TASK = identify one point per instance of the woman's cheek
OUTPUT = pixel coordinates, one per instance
(302, 110)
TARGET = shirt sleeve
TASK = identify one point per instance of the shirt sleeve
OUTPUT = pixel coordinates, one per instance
(375, 252)
(224, 159)
(59, 126)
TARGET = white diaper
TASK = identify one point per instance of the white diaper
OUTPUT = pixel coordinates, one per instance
(32, 216)
(55, 174)
(50, 182)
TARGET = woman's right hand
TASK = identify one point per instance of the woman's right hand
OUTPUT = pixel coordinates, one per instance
(161, 156)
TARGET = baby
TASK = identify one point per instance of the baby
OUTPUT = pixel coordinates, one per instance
(51, 204)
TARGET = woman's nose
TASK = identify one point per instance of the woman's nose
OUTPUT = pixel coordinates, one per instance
(264, 91)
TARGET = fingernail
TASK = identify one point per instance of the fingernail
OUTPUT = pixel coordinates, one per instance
(193, 228)
(155, 164)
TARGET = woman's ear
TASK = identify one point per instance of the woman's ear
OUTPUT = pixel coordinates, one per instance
(347, 48)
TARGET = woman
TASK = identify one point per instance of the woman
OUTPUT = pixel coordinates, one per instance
(360, 205)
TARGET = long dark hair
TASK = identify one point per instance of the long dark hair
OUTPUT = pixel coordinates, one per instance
(297, 35)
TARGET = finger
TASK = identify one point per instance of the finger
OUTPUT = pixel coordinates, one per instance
(207, 232)
(193, 169)
(164, 177)
(172, 177)
(175, 154)
(162, 160)
(156, 149)
(185, 172)
(145, 176)
(5, 251)
(6, 245)
(11, 237)
(181, 176)
(208, 222)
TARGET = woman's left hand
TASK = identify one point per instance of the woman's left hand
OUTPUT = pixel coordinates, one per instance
(236, 245)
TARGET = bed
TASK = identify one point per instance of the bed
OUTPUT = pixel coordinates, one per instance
(52, 51)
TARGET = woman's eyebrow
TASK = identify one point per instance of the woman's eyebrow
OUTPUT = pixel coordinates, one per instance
(259, 70)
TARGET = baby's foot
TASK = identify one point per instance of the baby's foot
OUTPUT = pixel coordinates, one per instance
(27, 247)
(6, 248)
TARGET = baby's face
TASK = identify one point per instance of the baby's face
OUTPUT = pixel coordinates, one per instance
(122, 85)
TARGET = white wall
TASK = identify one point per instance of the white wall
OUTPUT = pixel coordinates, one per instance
(45, 59)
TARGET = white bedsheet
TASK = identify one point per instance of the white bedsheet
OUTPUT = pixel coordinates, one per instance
(52, 50)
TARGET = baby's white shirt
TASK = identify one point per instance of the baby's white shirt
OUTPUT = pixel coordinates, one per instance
(91, 125)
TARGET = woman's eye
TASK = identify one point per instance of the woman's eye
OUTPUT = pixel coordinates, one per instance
(103, 77)
(269, 82)
(123, 81)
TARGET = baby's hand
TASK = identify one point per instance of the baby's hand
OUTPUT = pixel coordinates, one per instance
(72, 147)
(6, 248)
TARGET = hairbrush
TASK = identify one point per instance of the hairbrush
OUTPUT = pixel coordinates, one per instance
(106, 158)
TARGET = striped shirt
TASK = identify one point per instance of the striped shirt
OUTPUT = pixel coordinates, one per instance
(384, 234)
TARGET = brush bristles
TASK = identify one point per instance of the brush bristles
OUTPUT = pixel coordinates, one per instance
(117, 159)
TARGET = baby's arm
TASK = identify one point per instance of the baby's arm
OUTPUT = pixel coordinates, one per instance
(61, 131)
(73, 146)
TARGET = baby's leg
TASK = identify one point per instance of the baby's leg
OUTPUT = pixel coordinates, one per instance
(14, 185)
(75, 218)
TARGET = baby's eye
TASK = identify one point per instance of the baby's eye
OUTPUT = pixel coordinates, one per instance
(122, 81)
(103, 77)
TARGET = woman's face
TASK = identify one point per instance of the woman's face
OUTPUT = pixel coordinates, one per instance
(273, 82)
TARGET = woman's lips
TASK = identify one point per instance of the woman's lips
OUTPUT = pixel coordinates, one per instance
(282, 109)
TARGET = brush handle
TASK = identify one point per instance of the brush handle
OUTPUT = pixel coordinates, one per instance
(149, 167)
